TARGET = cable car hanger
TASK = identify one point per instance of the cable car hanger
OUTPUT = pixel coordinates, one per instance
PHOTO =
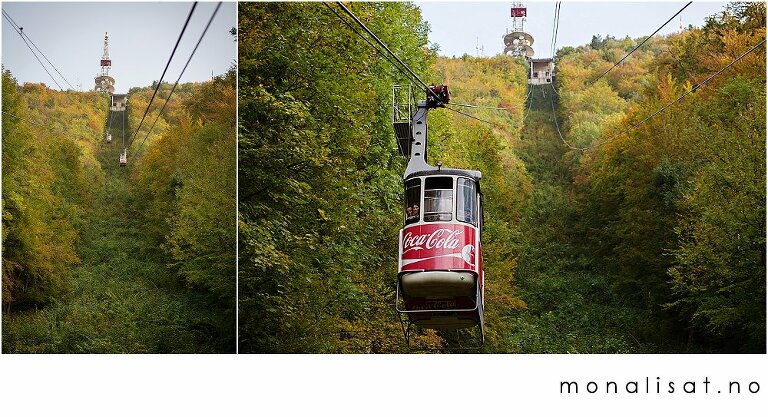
(440, 281)
(440, 275)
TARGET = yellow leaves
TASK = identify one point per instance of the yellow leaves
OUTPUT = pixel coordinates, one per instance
(43, 187)
(687, 86)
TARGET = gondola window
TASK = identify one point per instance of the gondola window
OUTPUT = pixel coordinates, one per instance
(438, 199)
(466, 207)
(412, 200)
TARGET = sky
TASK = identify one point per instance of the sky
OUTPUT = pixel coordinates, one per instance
(142, 34)
(458, 27)
(141, 38)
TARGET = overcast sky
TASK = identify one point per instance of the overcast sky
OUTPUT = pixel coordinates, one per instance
(457, 26)
(142, 35)
(141, 38)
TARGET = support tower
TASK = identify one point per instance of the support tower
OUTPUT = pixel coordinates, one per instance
(104, 82)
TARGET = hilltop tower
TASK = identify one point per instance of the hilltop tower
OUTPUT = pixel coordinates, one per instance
(104, 82)
(517, 42)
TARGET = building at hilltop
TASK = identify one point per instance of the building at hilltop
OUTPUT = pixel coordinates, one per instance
(119, 102)
(541, 71)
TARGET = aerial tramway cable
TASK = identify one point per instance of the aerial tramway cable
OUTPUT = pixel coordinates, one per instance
(378, 51)
(555, 27)
(180, 74)
(109, 120)
(664, 107)
(407, 68)
(530, 100)
(18, 30)
(480, 107)
(160, 81)
(408, 72)
(122, 135)
(557, 125)
(471, 117)
(24, 35)
(641, 43)
(691, 91)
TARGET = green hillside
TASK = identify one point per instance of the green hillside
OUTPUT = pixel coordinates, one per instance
(89, 263)
(612, 249)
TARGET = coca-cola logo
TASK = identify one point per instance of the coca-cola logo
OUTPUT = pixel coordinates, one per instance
(468, 254)
(439, 239)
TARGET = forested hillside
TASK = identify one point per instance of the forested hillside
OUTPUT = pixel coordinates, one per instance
(674, 211)
(320, 183)
(651, 241)
(50, 173)
(103, 258)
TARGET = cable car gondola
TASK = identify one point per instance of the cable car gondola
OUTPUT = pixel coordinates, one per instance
(124, 158)
(440, 273)
(109, 138)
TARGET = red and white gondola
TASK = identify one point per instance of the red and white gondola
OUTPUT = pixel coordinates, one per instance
(440, 271)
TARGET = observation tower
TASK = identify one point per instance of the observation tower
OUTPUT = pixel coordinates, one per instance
(517, 42)
(104, 82)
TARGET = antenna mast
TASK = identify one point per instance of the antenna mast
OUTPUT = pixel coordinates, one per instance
(106, 63)
(104, 82)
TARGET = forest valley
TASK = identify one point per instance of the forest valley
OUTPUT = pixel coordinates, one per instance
(100, 258)
(649, 241)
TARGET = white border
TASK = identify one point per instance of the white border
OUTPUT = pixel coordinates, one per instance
(355, 385)
(360, 385)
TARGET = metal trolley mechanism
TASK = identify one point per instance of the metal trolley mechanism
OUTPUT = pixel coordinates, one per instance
(440, 280)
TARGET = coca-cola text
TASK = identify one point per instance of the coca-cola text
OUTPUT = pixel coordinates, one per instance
(439, 239)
